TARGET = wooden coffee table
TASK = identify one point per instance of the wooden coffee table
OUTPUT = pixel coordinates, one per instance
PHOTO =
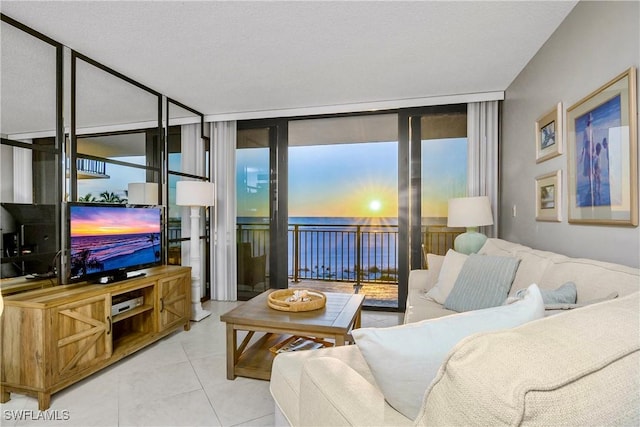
(334, 321)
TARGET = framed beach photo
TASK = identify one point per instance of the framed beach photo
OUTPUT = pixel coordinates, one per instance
(549, 135)
(548, 197)
(602, 155)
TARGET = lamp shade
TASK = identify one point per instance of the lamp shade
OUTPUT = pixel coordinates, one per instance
(469, 212)
(142, 193)
(195, 193)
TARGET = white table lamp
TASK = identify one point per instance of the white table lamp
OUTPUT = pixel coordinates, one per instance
(195, 194)
(142, 193)
(469, 212)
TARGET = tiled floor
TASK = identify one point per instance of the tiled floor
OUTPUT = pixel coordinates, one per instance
(178, 381)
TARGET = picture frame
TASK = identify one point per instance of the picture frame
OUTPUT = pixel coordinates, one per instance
(549, 134)
(549, 197)
(602, 154)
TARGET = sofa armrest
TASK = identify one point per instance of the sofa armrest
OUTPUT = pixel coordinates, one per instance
(334, 394)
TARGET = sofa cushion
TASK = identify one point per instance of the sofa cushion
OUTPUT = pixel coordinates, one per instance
(453, 262)
(499, 247)
(405, 359)
(483, 282)
(533, 264)
(577, 368)
(420, 307)
(594, 279)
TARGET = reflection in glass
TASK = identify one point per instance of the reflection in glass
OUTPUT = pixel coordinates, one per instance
(29, 194)
(253, 228)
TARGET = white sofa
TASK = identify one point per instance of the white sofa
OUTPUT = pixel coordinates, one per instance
(580, 367)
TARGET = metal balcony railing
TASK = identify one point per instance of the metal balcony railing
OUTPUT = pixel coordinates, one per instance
(343, 253)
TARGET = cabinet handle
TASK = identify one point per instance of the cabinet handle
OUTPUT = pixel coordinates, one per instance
(161, 304)
(110, 325)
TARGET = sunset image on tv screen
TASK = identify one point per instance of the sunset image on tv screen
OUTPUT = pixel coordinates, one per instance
(112, 238)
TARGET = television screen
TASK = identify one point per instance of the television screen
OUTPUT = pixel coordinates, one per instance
(110, 240)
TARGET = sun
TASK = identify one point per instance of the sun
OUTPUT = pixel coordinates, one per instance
(375, 205)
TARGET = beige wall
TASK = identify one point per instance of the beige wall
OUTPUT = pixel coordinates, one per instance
(595, 43)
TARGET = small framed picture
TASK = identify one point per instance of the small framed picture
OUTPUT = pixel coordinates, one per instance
(549, 135)
(602, 154)
(548, 197)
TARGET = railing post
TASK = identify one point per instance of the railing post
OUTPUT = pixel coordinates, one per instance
(296, 252)
(358, 254)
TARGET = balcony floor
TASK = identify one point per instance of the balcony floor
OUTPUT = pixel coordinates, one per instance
(378, 295)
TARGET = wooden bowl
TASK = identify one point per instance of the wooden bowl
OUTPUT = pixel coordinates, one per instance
(278, 301)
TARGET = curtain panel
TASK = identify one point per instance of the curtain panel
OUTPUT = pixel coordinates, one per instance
(482, 156)
(223, 237)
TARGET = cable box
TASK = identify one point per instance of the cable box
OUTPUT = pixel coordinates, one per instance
(119, 307)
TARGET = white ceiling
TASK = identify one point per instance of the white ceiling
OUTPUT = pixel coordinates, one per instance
(236, 57)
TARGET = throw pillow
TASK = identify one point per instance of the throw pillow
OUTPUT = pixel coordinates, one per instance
(565, 294)
(453, 262)
(568, 306)
(483, 282)
(405, 359)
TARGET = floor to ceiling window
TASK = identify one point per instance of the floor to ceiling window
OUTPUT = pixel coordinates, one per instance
(353, 200)
(343, 206)
(443, 147)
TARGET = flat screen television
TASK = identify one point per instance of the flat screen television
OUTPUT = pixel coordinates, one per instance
(108, 243)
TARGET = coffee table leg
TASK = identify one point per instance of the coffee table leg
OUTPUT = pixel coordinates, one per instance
(232, 342)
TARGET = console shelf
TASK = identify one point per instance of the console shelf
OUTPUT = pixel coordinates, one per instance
(131, 313)
(54, 337)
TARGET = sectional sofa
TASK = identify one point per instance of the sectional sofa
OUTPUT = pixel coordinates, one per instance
(577, 364)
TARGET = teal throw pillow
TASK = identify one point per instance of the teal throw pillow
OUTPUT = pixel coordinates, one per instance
(565, 294)
(483, 282)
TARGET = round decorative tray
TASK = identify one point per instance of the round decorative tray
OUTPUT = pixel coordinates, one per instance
(283, 300)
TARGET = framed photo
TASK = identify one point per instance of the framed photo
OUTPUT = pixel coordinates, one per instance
(548, 197)
(603, 154)
(549, 135)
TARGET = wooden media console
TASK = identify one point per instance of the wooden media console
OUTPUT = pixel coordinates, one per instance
(54, 337)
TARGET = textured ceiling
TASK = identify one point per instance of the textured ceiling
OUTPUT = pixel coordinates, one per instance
(243, 56)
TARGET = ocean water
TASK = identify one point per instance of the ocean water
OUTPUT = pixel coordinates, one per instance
(333, 248)
(113, 252)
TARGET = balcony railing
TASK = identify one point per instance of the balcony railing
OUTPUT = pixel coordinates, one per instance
(343, 253)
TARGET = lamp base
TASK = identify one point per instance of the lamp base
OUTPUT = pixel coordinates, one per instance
(198, 313)
(469, 242)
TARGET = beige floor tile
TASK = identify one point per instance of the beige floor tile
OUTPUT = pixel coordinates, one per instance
(186, 409)
(178, 381)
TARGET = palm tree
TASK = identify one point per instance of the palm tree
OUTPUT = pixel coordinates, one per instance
(111, 197)
(83, 261)
(87, 198)
(152, 239)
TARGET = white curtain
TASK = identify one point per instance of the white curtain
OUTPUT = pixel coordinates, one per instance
(223, 241)
(482, 156)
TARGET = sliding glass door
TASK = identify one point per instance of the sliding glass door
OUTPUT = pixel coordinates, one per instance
(347, 203)
(253, 210)
(343, 206)
(438, 171)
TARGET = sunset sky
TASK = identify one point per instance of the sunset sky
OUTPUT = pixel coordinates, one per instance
(355, 180)
(99, 221)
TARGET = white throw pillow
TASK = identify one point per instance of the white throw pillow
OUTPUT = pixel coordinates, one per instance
(453, 262)
(405, 359)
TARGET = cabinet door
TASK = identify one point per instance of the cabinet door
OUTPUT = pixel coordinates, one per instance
(173, 303)
(82, 332)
